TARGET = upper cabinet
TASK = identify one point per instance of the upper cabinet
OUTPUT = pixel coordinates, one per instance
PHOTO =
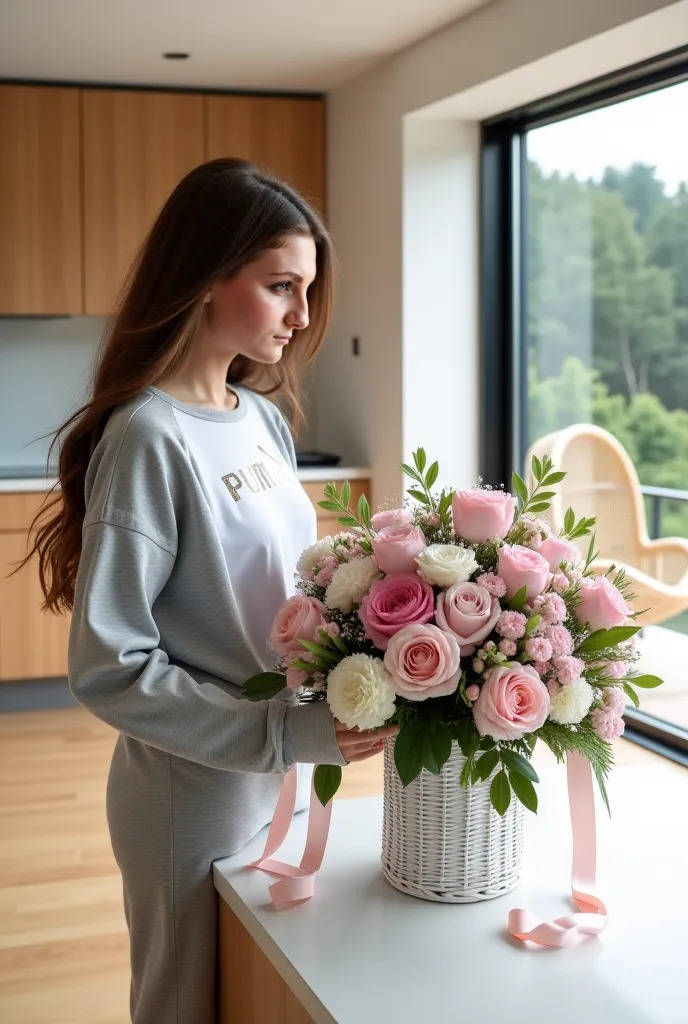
(40, 201)
(83, 173)
(137, 146)
(284, 136)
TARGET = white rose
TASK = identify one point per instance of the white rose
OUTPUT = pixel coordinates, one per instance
(571, 703)
(360, 692)
(446, 564)
(312, 555)
(351, 582)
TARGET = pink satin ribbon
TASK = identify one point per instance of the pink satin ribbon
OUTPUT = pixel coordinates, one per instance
(298, 883)
(572, 929)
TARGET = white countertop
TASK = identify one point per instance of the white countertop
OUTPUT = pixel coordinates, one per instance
(359, 952)
(309, 475)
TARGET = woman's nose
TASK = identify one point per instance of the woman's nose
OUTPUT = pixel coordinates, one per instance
(298, 316)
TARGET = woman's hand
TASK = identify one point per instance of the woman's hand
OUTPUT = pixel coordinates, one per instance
(357, 745)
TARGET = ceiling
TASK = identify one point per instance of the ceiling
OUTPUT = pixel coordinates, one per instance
(264, 45)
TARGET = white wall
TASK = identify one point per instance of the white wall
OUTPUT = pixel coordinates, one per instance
(409, 275)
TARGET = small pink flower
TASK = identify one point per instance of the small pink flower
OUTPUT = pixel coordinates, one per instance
(542, 668)
(616, 699)
(296, 677)
(538, 649)
(508, 647)
(327, 568)
(473, 691)
(560, 639)
(606, 723)
(552, 687)
(614, 669)
(560, 583)
(568, 669)
(493, 584)
(553, 609)
(478, 666)
(511, 625)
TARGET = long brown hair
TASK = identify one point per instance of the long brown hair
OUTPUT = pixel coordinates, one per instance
(221, 216)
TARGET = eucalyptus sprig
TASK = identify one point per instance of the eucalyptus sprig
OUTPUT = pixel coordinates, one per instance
(423, 478)
(339, 502)
(539, 500)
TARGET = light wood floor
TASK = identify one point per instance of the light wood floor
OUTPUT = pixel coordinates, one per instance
(63, 945)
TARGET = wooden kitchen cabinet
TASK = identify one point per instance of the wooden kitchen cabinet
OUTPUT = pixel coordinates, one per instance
(40, 201)
(284, 136)
(137, 146)
(33, 643)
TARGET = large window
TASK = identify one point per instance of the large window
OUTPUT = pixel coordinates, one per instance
(585, 324)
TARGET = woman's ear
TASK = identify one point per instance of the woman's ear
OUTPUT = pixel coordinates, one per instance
(208, 297)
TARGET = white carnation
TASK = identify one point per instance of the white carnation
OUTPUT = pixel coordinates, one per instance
(312, 555)
(571, 703)
(446, 564)
(350, 583)
(360, 692)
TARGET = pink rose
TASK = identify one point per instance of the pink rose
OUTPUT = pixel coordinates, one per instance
(297, 619)
(557, 550)
(423, 661)
(396, 601)
(469, 612)
(521, 567)
(480, 515)
(512, 702)
(601, 604)
(395, 547)
(392, 517)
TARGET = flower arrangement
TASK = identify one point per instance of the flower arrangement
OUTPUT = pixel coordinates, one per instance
(462, 618)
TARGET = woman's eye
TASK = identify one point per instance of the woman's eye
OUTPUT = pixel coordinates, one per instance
(282, 285)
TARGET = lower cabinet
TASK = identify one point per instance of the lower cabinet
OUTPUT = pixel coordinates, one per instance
(33, 643)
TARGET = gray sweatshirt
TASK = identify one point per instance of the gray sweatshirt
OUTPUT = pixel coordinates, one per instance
(194, 521)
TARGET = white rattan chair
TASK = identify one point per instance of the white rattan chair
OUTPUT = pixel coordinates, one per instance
(601, 481)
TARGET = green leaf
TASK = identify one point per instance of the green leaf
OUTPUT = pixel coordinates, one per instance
(517, 763)
(646, 682)
(485, 765)
(339, 644)
(553, 478)
(466, 735)
(345, 496)
(536, 466)
(540, 506)
(545, 495)
(518, 600)
(305, 666)
(603, 638)
(532, 624)
(500, 793)
(524, 790)
(347, 521)
(630, 692)
(331, 506)
(603, 789)
(591, 552)
(411, 472)
(419, 496)
(264, 686)
(569, 520)
(408, 753)
(437, 743)
(326, 781)
(364, 510)
(320, 652)
(487, 743)
(419, 458)
(432, 474)
(519, 486)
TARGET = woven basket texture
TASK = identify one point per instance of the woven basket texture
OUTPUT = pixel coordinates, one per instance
(445, 843)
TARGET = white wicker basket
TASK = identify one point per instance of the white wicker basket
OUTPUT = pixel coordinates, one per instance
(445, 843)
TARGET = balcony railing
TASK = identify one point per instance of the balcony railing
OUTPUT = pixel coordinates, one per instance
(657, 495)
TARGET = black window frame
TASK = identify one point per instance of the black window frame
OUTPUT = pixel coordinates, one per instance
(503, 294)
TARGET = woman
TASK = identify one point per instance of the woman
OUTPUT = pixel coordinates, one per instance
(174, 542)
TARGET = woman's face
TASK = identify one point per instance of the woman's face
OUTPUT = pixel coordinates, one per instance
(256, 312)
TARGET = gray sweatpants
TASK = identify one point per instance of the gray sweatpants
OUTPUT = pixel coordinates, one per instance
(169, 819)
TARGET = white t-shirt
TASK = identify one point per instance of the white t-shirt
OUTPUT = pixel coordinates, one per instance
(263, 516)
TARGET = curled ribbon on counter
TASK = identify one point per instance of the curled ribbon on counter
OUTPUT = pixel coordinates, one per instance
(572, 929)
(298, 883)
